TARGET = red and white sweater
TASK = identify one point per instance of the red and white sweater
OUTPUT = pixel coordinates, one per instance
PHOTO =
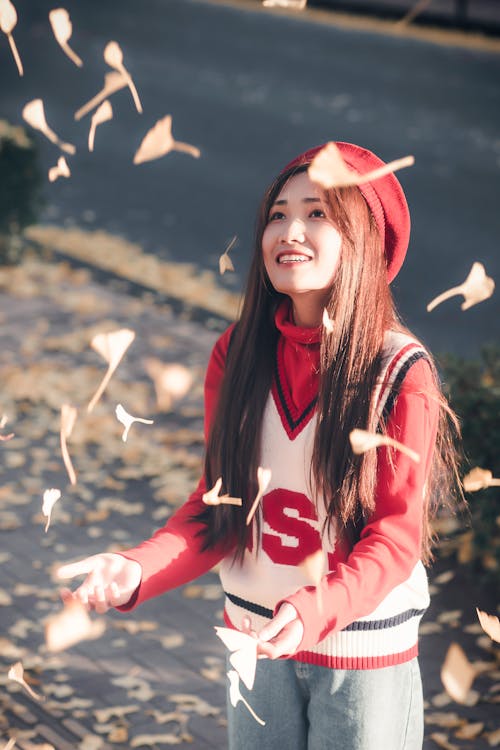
(374, 594)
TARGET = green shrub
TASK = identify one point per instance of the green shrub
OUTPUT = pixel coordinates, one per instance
(20, 189)
(473, 389)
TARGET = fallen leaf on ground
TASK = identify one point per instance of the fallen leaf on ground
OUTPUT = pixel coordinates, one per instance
(50, 498)
(171, 381)
(70, 626)
(113, 56)
(16, 673)
(153, 740)
(34, 114)
(457, 674)
(476, 288)
(61, 170)
(292, 4)
(8, 21)
(91, 742)
(194, 704)
(212, 497)
(159, 141)
(328, 169)
(244, 652)
(68, 419)
(128, 420)
(469, 731)
(362, 441)
(263, 478)
(103, 715)
(112, 347)
(235, 695)
(63, 29)
(441, 740)
(102, 114)
(479, 479)
(490, 624)
(225, 262)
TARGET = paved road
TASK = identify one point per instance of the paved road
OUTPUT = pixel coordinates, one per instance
(252, 89)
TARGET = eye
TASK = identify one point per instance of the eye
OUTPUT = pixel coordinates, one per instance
(276, 215)
(317, 213)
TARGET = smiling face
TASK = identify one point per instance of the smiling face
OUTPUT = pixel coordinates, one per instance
(301, 248)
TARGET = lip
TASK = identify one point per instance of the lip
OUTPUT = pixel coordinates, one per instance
(290, 251)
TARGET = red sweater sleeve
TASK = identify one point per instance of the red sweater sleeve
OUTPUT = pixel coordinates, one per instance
(390, 543)
(173, 555)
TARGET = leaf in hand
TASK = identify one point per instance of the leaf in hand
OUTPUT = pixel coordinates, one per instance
(328, 169)
(102, 114)
(50, 498)
(113, 56)
(235, 695)
(362, 441)
(212, 497)
(8, 20)
(112, 347)
(68, 419)
(490, 624)
(70, 626)
(63, 29)
(16, 673)
(225, 262)
(61, 170)
(476, 288)
(263, 478)
(128, 420)
(479, 479)
(457, 674)
(34, 114)
(159, 141)
(244, 652)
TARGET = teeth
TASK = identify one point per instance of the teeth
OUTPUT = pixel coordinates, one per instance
(292, 259)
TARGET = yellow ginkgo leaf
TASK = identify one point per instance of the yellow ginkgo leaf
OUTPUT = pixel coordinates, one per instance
(263, 478)
(159, 141)
(490, 624)
(225, 262)
(479, 479)
(8, 21)
(476, 288)
(68, 419)
(102, 114)
(34, 114)
(113, 82)
(457, 674)
(172, 381)
(113, 56)
(290, 4)
(362, 441)
(50, 498)
(112, 347)
(16, 673)
(235, 695)
(328, 169)
(70, 626)
(212, 497)
(63, 29)
(327, 321)
(128, 420)
(61, 170)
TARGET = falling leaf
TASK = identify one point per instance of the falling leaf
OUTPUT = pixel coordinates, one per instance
(263, 478)
(50, 498)
(479, 479)
(212, 497)
(244, 652)
(329, 169)
(63, 29)
(128, 420)
(292, 4)
(16, 673)
(112, 347)
(113, 82)
(102, 114)
(34, 114)
(315, 568)
(3, 422)
(419, 6)
(490, 624)
(327, 321)
(225, 262)
(61, 170)
(235, 695)
(457, 674)
(113, 56)
(476, 288)
(68, 418)
(8, 20)
(362, 441)
(159, 141)
(10, 744)
(171, 381)
(70, 626)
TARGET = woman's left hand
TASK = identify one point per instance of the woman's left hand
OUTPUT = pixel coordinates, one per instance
(283, 635)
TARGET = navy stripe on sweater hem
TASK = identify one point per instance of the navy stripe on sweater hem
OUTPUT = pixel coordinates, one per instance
(388, 622)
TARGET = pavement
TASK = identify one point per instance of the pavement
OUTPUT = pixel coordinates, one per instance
(156, 677)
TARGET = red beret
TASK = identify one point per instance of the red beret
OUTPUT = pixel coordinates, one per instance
(384, 196)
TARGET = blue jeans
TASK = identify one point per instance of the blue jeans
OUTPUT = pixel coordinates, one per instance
(307, 707)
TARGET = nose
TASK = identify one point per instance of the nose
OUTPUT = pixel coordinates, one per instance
(293, 231)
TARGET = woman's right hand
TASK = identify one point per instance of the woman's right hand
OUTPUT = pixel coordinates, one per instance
(110, 580)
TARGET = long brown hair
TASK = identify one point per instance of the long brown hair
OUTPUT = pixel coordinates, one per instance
(362, 308)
